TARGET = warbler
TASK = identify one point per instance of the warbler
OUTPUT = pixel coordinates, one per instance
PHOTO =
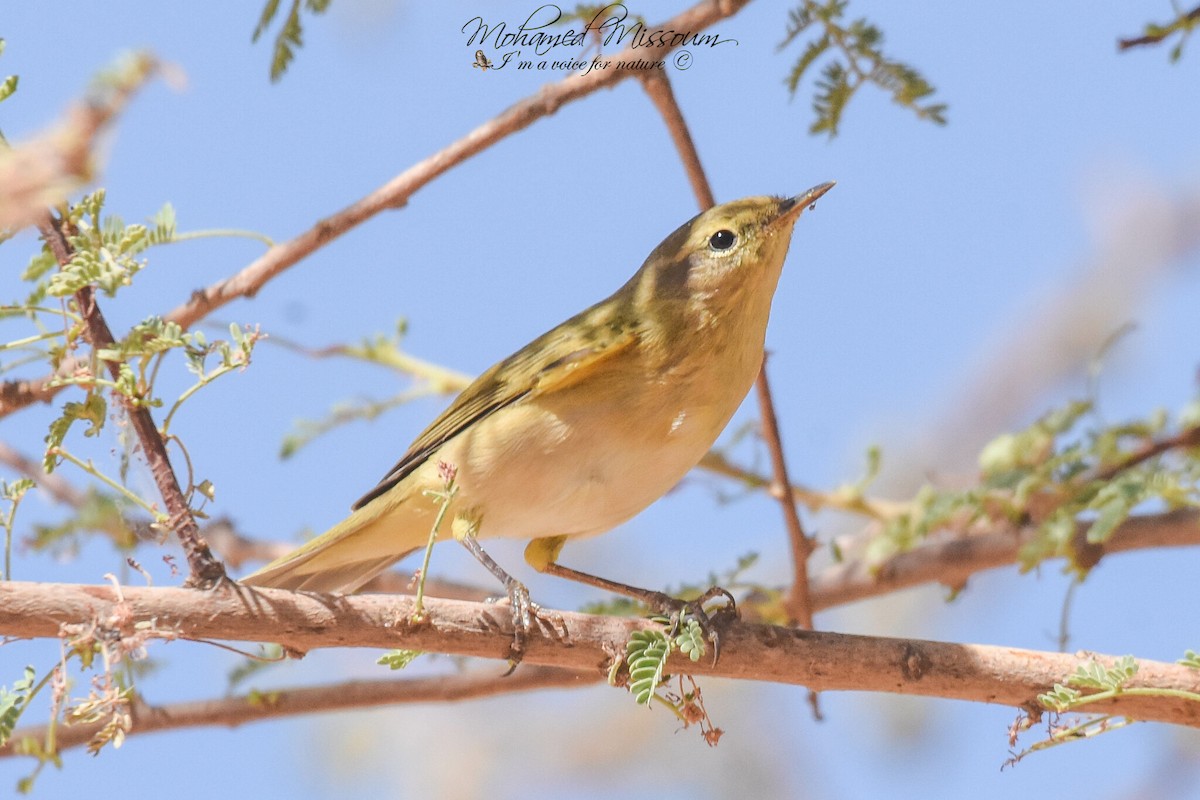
(586, 425)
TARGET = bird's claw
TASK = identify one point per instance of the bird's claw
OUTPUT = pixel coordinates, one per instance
(524, 612)
(710, 623)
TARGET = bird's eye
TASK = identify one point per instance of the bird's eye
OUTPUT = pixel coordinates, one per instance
(722, 240)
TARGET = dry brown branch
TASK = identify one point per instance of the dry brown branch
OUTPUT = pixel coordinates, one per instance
(822, 661)
(799, 601)
(279, 703)
(205, 569)
(15, 395)
(951, 560)
(396, 192)
(658, 87)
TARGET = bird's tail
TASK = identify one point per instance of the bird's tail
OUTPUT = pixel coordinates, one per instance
(355, 550)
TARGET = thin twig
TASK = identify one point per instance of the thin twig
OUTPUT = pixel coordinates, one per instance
(1183, 440)
(658, 87)
(1182, 23)
(205, 569)
(838, 500)
(799, 602)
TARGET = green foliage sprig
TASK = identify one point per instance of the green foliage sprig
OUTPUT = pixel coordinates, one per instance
(1091, 683)
(1184, 24)
(857, 60)
(8, 87)
(289, 38)
(106, 255)
(399, 659)
(646, 655)
(11, 494)
(1060, 474)
(14, 701)
(381, 349)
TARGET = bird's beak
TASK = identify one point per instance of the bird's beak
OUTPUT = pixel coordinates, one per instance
(792, 206)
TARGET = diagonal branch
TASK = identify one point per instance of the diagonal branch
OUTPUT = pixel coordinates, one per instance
(819, 660)
(205, 570)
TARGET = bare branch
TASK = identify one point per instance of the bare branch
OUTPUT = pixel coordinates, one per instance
(280, 703)
(822, 661)
(799, 600)
(658, 87)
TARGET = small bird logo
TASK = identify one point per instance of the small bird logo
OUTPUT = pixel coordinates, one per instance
(482, 61)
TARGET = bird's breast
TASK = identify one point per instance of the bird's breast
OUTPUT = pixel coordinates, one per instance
(582, 460)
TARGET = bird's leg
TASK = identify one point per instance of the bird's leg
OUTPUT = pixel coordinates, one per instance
(542, 554)
(523, 609)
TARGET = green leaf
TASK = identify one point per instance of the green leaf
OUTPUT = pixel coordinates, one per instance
(14, 701)
(1112, 514)
(1059, 699)
(691, 641)
(92, 410)
(7, 87)
(1093, 675)
(164, 225)
(399, 659)
(646, 653)
(812, 52)
(264, 21)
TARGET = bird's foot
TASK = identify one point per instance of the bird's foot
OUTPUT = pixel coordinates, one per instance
(678, 611)
(524, 613)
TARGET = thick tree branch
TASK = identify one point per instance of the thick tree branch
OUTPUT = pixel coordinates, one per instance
(280, 703)
(821, 661)
(205, 569)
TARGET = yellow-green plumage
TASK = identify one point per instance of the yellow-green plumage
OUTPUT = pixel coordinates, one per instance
(591, 422)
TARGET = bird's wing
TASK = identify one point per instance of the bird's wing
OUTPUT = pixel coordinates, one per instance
(589, 339)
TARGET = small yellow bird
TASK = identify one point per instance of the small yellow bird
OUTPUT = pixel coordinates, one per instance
(586, 425)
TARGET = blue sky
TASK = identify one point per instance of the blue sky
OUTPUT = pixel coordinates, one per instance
(938, 248)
